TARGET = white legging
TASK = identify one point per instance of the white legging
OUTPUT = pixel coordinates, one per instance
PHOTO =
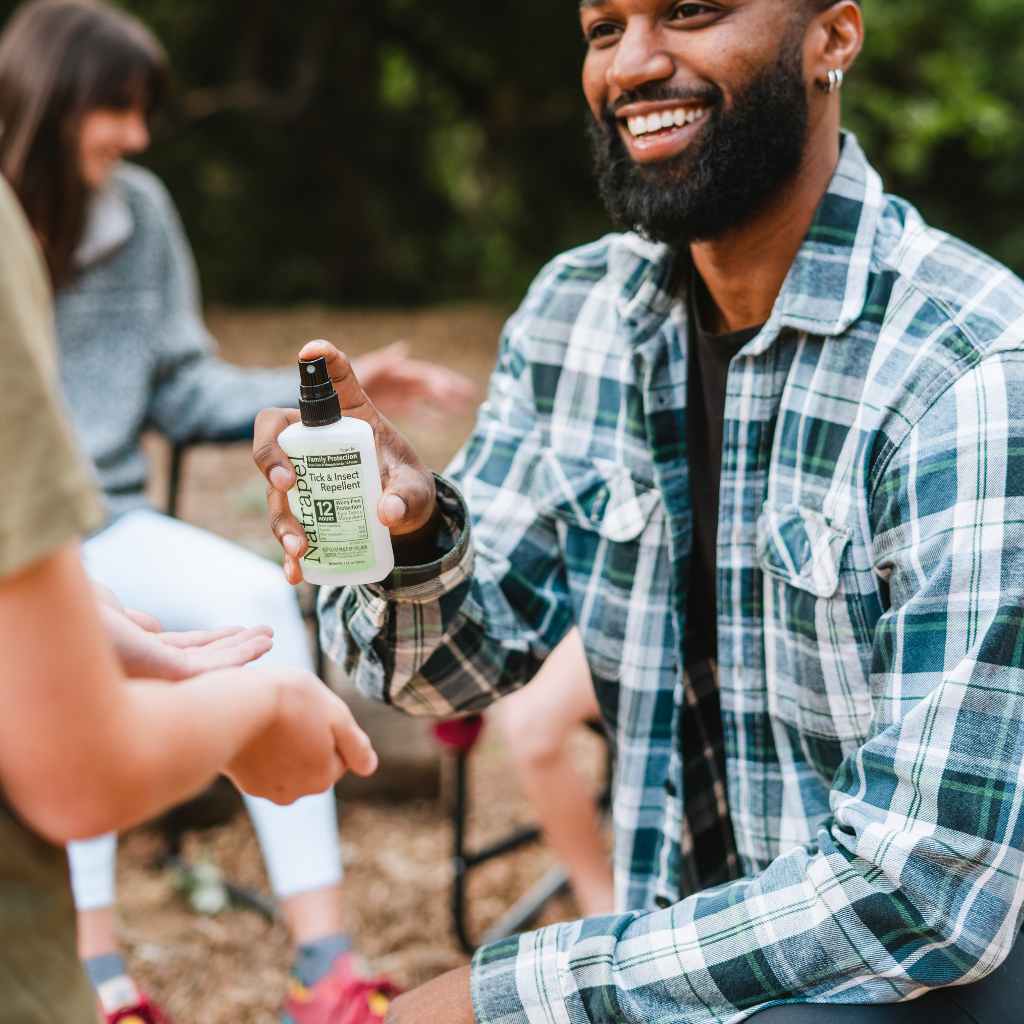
(191, 579)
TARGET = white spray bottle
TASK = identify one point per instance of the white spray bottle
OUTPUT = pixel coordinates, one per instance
(337, 487)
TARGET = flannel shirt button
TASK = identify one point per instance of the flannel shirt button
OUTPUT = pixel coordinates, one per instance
(670, 788)
(662, 902)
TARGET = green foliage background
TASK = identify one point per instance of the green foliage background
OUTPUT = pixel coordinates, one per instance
(399, 152)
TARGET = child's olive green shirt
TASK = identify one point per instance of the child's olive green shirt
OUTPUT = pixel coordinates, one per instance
(48, 500)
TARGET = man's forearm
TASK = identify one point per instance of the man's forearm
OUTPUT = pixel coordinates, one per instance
(420, 547)
(445, 1000)
(384, 634)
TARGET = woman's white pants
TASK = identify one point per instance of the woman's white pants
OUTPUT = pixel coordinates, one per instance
(191, 579)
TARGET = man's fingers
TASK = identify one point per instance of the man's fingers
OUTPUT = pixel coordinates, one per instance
(354, 401)
(268, 455)
(408, 499)
(292, 571)
(351, 742)
(392, 510)
(286, 529)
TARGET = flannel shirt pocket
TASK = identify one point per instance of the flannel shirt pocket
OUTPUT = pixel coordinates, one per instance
(814, 617)
(602, 515)
(597, 495)
(802, 548)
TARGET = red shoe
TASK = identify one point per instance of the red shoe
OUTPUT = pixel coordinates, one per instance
(143, 1012)
(341, 997)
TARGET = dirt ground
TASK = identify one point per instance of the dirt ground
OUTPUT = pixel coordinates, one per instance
(231, 968)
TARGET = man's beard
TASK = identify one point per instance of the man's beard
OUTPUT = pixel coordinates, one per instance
(742, 158)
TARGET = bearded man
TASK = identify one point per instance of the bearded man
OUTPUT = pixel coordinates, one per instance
(765, 449)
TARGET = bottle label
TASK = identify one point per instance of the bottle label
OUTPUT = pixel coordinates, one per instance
(328, 501)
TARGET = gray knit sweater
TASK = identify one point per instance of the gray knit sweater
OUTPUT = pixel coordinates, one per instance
(134, 351)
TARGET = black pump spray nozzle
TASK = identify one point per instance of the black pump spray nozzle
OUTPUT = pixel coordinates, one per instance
(318, 401)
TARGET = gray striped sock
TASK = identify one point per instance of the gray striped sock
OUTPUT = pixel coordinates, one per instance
(315, 959)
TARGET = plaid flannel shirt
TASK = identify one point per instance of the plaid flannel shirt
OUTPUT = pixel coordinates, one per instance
(870, 614)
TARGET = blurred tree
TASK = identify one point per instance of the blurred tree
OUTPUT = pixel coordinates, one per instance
(937, 100)
(388, 152)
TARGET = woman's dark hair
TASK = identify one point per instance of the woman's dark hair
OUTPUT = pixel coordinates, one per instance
(60, 59)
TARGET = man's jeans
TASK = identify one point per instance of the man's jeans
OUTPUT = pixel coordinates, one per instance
(997, 999)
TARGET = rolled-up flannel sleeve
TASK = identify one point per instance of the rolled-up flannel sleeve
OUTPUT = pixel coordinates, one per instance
(196, 395)
(916, 881)
(454, 635)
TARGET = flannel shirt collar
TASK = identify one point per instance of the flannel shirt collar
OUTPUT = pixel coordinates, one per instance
(826, 288)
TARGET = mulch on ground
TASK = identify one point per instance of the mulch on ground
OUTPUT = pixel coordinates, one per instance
(232, 968)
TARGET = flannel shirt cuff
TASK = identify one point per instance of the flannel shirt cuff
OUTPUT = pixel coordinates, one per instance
(425, 583)
(523, 980)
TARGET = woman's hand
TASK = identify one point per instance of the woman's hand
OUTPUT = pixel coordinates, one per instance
(409, 498)
(398, 384)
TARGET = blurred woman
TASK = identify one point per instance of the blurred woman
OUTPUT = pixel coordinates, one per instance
(79, 81)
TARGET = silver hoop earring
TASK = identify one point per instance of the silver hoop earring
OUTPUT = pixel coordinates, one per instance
(835, 80)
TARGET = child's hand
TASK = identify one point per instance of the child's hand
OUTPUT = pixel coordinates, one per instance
(311, 741)
(147, 653)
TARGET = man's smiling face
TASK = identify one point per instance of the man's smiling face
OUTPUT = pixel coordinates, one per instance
(700, 109)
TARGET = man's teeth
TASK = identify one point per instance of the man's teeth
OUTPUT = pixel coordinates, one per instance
(644, 125)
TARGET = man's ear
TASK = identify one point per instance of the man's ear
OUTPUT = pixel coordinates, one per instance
(834, 39)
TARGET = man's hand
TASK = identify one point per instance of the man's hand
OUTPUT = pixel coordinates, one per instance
(311, 741)
(147, 653)
(409, 498)
(399, 385)
(445, 1000)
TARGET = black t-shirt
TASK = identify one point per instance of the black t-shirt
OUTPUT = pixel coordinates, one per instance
(709, 358)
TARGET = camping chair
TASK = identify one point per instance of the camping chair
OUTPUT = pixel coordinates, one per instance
(459, 737)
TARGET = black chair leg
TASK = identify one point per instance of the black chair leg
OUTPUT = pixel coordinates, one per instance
(529, 906)
(460, 869)
(178, 453)
(464, 861)
(319, 657)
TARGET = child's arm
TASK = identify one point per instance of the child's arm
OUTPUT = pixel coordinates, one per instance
(83, 751)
